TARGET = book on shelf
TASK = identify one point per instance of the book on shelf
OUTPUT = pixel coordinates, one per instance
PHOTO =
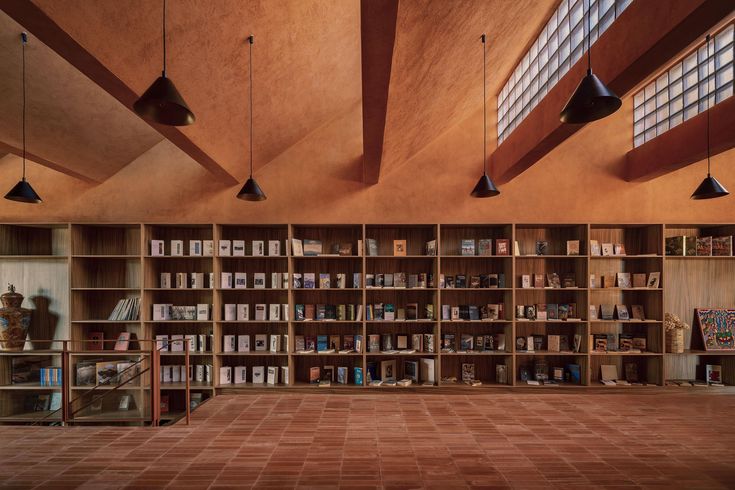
(618, 249)
(501, 374)
(653, 280)
(177, 248)
(704, 246)
(607, 250)
(272, 376)
(572, 247)
(258, 374)
(123, 341)
(467, 247)
(399, 248)
(502, 246)
(312, 247)
(722, 246)
(484, 247)
(297, 247)
(127, 309)
(95, 341)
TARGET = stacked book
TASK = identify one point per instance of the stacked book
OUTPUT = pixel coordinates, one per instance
(126, 309)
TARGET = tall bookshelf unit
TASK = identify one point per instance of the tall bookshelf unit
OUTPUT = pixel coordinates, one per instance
(84, 269)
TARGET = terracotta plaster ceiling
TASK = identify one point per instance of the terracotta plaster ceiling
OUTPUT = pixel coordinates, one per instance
(72, 125)
(308, 69)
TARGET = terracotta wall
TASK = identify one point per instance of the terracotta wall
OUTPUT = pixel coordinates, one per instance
(318, 181)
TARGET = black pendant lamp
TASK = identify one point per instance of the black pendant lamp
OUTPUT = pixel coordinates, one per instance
(592, 100)
(251, 191)
(710, 187)
(22, 191)
(162, 103)
(485, 186)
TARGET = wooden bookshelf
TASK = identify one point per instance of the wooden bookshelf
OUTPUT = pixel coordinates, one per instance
(84, 269)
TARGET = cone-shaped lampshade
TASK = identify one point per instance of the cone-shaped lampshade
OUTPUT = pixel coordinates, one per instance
(251, 191)
(163, 104)
(709, 189)
(591, 101)
(484, 188)
(23, 192)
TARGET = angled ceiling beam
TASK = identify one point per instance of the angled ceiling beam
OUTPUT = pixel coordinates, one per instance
(683, 145)
(7, 149)
(378, 35)
(47, 31)
(644, 37)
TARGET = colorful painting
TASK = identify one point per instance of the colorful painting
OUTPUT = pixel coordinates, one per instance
(718, 328)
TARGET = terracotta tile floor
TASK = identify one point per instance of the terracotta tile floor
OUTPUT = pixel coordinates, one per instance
(496, 440)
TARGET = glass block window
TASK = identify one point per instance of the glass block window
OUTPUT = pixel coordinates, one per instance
(561, 43)
(684, 90)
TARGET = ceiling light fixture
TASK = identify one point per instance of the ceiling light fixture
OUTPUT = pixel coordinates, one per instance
(22, 191)
(592, 100)
(162, 103)
(710, 187)
(485, 186)
(251, 191)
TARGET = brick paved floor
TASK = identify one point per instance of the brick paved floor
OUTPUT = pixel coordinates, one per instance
(663, 439)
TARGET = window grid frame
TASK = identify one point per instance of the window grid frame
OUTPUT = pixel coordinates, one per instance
(643, 133)
(522, 92)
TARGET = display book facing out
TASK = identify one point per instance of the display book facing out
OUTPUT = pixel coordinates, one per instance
(126, 248)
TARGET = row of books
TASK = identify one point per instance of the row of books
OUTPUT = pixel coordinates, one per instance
(400, 280)
(226, 248)
(385, 373)
(259, 375)
(327, 312)
(389, 343)
(177, 343)
(719, 246)
(389, 312)
(626, 280)
(477, 281)
(485, 247)
(167, 311)
(623, 342)
(176, 373)
(312, 248)
(326, 375)
(327, 344)
(490, 311)
(550, 343)
(549, 280)
(241, 343)
(50, 376)
(239, 280)
(94, 372)
(543, 247)
(606, 249)
(619, 312)
(240, 312)
(472, 343)
(184, 280)
(547, 311)
(540, 373)
(609, 375)
(467, 375)
(307, 280)
(127, 309)
(42, 402)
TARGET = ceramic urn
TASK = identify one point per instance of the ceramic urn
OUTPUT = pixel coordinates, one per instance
(14, 321)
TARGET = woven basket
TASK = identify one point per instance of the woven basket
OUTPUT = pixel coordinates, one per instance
(675, 341)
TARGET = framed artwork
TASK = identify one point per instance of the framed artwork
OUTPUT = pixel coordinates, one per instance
(717, 326)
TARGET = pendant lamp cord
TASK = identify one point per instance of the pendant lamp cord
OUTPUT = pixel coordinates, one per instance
(589, 36)
(708, 108)
(24, 40)
(251, 39)
(164, 38)
(484, 108)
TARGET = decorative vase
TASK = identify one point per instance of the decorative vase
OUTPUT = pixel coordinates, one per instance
(675, 340)
(14, 321)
